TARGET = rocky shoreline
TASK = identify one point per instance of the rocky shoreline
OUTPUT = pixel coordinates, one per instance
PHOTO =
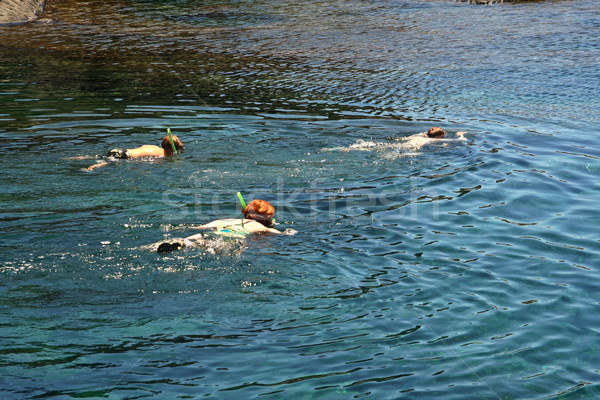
(14, 12)
(498, 1)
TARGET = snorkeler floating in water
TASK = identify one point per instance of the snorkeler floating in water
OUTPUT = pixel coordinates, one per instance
(258, 219)
(170, 145)
(433, 135)
(408, 144)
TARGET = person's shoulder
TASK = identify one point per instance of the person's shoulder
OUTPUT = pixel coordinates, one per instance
(233, 221)
(253, 226)
(222, 222)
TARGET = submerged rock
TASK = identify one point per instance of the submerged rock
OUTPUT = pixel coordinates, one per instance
(15, 12)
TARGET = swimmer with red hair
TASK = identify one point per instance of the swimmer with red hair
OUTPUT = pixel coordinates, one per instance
(436, 133)
(258, 219)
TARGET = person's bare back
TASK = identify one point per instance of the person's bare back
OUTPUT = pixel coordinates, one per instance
(415, 142)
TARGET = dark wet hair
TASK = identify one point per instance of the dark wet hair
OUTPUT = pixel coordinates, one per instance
(168, 247)
(436, 133)
(260, 211)
(166, 145)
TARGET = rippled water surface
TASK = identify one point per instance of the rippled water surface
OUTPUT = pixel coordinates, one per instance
(466, 270)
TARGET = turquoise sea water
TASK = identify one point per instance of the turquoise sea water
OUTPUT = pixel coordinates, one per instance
(466, 271)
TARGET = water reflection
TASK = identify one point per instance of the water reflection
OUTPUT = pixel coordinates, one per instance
(292, 55)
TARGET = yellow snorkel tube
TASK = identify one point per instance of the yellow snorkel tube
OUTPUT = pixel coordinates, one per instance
(171, 139)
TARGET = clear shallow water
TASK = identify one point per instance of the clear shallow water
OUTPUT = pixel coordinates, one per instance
(466, 271)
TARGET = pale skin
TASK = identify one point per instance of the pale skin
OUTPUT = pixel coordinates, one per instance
(250, 226)
(410, 143)
(147, 150)
(202, 239)
(421, 139)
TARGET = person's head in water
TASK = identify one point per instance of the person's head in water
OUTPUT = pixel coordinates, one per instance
(166, 145)
(436, 133)
(260, 211)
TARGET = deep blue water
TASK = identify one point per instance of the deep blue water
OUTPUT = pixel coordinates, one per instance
(466, 271)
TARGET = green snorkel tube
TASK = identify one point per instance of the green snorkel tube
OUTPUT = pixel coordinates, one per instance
(239, 195)
(171, 139)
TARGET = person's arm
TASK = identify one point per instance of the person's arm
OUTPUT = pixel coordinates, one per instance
(459, 136)
(253, 226)
(93, 167)
(273, 230)
(256, 227)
